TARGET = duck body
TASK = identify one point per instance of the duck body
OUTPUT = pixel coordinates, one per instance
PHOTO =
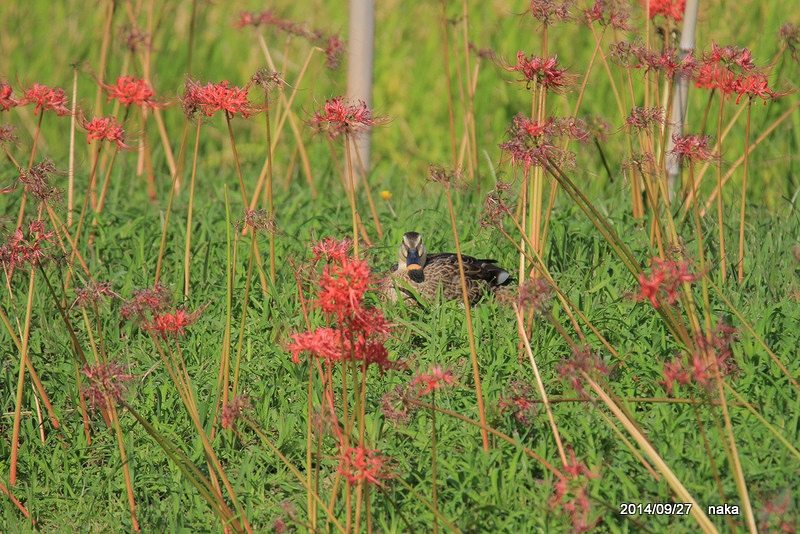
(423, 274)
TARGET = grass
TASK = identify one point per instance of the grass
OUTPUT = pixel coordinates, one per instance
(159, 456)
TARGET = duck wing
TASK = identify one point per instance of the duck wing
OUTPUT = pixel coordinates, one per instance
(474, 268)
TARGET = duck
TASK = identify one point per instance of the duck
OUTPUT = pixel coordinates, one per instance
(418, 273)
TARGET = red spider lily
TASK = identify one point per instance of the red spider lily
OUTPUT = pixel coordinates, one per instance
(713, 356)
(692, 148)
(213, 97)
(360, 465)
(332, 250)
(30, 249)
(334, 49)
(6, 100)
(106, 383)
(340, 117)
(542, 71)
(360, 331)
(173, 323)
(671, 9)
(128, 90)
(496, 207)
(46, 98)
(549, 11)
(532, 143)
(436, 379)
(664, 281)
(105, 129)
(151, 301)
(754, 86)
(675, 372)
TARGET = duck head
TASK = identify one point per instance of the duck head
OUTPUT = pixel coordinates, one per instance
(412, 253)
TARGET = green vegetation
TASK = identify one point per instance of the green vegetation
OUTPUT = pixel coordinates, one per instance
(160, 341)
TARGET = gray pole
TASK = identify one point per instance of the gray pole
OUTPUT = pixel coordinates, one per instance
(360, 46)
(680, 95)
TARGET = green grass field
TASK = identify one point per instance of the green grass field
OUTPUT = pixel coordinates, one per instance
(662, 370)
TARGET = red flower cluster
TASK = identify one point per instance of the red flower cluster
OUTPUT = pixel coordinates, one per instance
(692, 147)
(549, 11)
(128, 90)
(360, 331)
(543, 72)
(359, 465)
(212, 97)
(533, 143)
(105, 129)
(436, 379)
(21, 249)
(146, 302)
(671, 9)
(6, 100)
(340, 117)
(173, 323)
(45, 98)
(664, 281)
(637, 56)
(609, 13)
(731, 70)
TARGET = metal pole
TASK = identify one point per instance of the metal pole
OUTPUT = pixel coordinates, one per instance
(361, 44)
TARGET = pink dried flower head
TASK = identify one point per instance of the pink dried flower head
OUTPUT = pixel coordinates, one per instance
(46, 99)
(789, 36)
(496, 207)
(105, 129)
(7, 134)
(135, 39)
(6, 99)
(106, 383)
(664, 281)
(670, 9)
(173, 323)
(549, 12)
(92, 294)
(147, 302)
(29, 248)
(37, 181)
(644, 118)
(544, 72)
(334, 50)
(445, 176)
(212, 97)
(396, 405)
(234, 410)
(268, 79)
(692, 148)
(260, 220)
(360, 465)
(533, 294)
(341, 117)
(520, 402)
(582, 361)
(777, 514)
(571, 497)
(531, 143)
(130, 91)
(612, 13)
(427, 382)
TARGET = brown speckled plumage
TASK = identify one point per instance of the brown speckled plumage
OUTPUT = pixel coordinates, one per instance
(424, 274)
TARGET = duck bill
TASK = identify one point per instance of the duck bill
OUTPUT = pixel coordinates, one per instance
(412, 260)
